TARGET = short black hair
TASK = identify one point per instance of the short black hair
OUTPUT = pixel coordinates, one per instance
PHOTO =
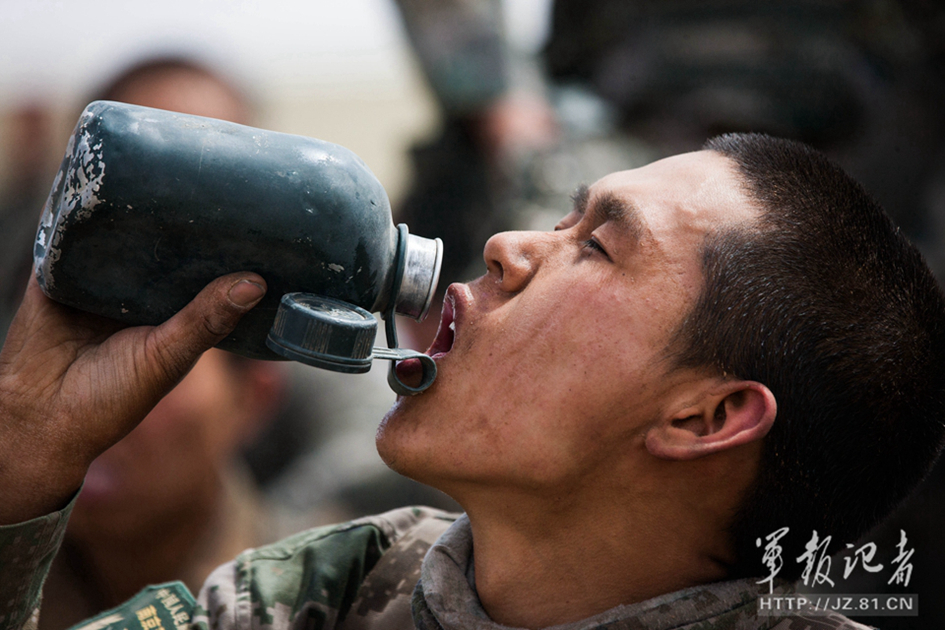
(826, 303)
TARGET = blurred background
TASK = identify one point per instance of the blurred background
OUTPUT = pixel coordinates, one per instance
(339, 71)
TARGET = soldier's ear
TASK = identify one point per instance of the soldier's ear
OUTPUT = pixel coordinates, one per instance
(723, 416)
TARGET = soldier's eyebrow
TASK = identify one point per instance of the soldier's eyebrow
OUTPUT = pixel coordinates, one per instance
(621, 212)
(608, 207)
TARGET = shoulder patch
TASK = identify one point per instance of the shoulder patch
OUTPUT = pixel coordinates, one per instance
(163, 607)
(311, 580)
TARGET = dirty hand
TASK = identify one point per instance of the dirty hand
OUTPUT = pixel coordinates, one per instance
(73, 384)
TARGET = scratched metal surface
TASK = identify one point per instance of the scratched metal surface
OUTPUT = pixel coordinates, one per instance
(149, 206)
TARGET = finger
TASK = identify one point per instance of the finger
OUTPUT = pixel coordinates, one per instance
(174, 346)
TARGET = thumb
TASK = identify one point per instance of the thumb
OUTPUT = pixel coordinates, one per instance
(175, 345)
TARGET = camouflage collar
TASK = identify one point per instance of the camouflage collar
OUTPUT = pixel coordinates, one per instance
(445, 599)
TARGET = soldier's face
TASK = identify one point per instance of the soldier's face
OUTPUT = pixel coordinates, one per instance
(557, 363)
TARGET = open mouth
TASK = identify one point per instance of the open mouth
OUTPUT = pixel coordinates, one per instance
(410, 371)
(446, 333)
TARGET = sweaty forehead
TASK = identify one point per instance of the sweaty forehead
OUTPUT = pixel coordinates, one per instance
(693, 192)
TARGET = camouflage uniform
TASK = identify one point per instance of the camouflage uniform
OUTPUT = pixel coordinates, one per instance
(409, 568)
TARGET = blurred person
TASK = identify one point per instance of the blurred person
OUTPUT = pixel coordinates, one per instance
(182, 84)
(181, 493)
(284, 456)
(172, 499)
(175, 497)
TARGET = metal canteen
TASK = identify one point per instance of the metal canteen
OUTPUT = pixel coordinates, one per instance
(149, 206)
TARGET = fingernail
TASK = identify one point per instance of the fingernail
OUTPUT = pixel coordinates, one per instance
(246, 293)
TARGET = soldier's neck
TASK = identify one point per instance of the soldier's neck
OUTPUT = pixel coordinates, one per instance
(542, 565)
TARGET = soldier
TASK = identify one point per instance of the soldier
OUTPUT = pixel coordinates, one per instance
(707, 350)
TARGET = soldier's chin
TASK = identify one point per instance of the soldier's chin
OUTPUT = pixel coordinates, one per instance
(386, 440)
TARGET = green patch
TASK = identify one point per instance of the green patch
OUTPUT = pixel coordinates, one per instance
(163, 607)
